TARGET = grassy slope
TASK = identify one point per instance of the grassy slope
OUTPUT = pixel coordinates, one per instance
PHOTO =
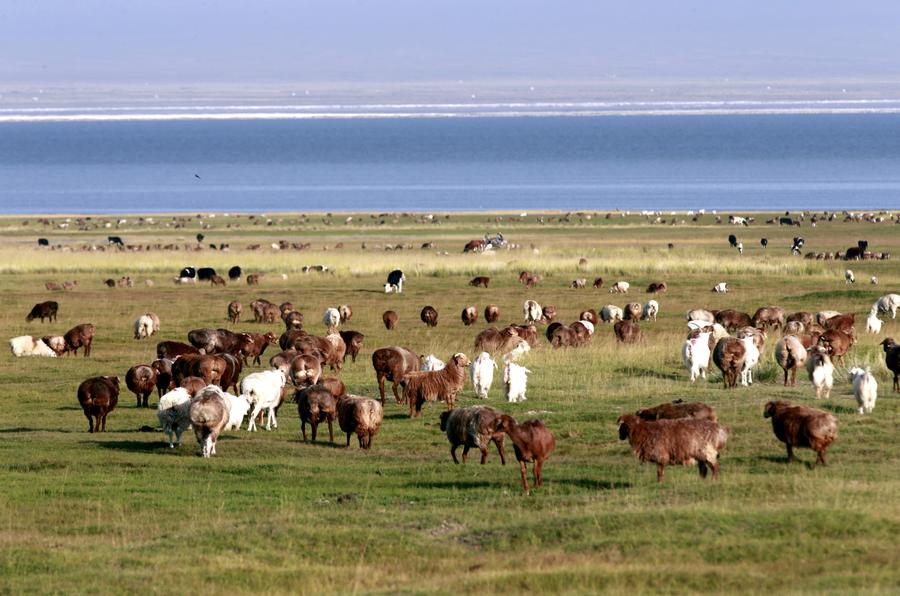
(273, 513)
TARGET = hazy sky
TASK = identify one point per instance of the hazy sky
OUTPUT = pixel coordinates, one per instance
(230, 41)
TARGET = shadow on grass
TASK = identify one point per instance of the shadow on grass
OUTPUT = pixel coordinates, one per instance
(783, 460)
(648, 372)
(22, 429)
(451, 484)
(339, 441)
(592, 484)
(397, 416)
(153, 446)
(839, 409)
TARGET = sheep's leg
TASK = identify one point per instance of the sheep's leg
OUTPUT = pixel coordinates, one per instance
(523, 470)
(715, 470)
(90, 421)
(251, 425)
(785, 377)
(330, 432)
(348, 439)
(499, 444)
(820, 457)
(315, 429)
(465, 453)
(102, 419)
(453, 453)
(303, 429)
(660, 472)
(538, 472)
(483, 455)
(790, 456)
(702, 466)
(380, 378)
(394, 385)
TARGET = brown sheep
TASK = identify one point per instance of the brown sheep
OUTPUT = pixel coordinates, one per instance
(235, 308)
(842, 323)
(790, 354)
(173, 349)
(43, 310)
(892, 360)
(668, 442)
(729, 357)
(316, 404)
(353, 340)
(800, 426)
(80, 336)
(337, 349)
(491, 313)
(253, 345)
(806, 318)
(495, 340)
(732, 319)
(590, 315)
(598, 283)
(627, 332)
(480, 281)
(769, 316)
(209, 417)
(98, 397)
(164, 380)
(293, 320)
(659, 287)
(793, 328)
(194, 385)
(345, 312)
(548, 314)
(334, 385)
(360, 415)
(393, 363)
(390, 319)
(469, 315)
(678, 409)
(533, 442)
(253, 279)
(141, 380)
(208, 367)
(282, 361)
(258, 306)
(561, 336)
(286, 307)
(438, 385)
(232, 373)
(527, 332)
(217, 280)
(429, 316)
(305, 370)
(474, 426)
(836, 342)
(632, 311)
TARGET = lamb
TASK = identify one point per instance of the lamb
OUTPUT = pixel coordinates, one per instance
(441, 385)
(682, 441)
(515, 381)
(728, 355)
(849, 278)
(141, 380)
(265, 391)
(293, 320)
(721, 288)
(331, 319)
(209, 415)
(627, 332)
(800, 426)
(678, 409)
(533, 442)
(521, 348)
(873, 324)
(482, 373)
(491, 313)
(98, 397)
(650, 311)
(143, 327)
(790, 354)
(469, 315)
(361, 415)
(26, 345)
(892, 359)
(865, 389)
(392, 364)
(610, 313)
(390, 319)
(174, 414)
(888, 303)
(432, 362)
(820, 370)
(532, 312)
(475, 426)
(316, 404)
(235, 308)
(695, 354)
(620, 287)
(429, 316)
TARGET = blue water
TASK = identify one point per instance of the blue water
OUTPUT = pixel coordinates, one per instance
(734, 163)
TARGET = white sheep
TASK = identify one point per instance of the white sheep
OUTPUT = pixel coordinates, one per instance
(696, 353)
(873, 280)
(721, 287)
(522, 348)
(751, 358)
(620, 287)
(532, 312)
(482, 373)
(587, 325)
(174, 413)
(143, 327)
(865, 388)
(264, 392)
(26, 345)
(432, 362)
(239, 406)
(331, 318)
(873, 324)
(849, 278)
(820, 370)
(888, 303)
(650, 310)
(515, 380)
(740, 247)
(610, 313)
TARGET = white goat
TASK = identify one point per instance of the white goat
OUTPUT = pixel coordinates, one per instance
(515, 380)
(651, 309)
(432, 362)
(26, 345)
(620, 287)
(849, 278)
(239, 406)
(695, 353)
(331, 318)
(721, 288)
(522, 348)
(873, 280)
(865, 388)
(143, 327)
(482, 372)
(820, 370)
(532, 312)
(174, 413)
(873, 324)
(610, 313)
(751, 358)
(263, 390)
(888, 303)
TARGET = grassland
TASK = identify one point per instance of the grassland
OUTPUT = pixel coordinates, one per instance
(122, 513)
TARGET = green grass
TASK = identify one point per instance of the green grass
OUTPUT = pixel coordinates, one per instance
(122, 513)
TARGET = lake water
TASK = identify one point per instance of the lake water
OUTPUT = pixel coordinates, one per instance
(726, 162)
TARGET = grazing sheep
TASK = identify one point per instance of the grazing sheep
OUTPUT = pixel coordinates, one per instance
(44, 310)
(627, 332)
(849, 278)
(143, 327)
(888, 303)
(482, 373)
(873, 280)
(843, 323)
(390, 319)
(174, 414)
(497, 340)
(393, 364)
(728, 355)
(194, 385)
(598, 283)
(633, 311)
(659, 287)
(532, 312)
(265, 391)
(141, 380)
(293, 320)
(865, 389)
(480, 282)
(98, 397)
(429, 316)
(620, 287)
(701, 314)
(80, 336)
(769, 316)
(26, 345)
(353, 340)
(469, 315)
(235, 308)
(360, 415)
(695, 353)
(346, 312)
(209, 416)
(491, 313)
(721, 288)
(474, 426)
(824, 315)
(733, 319)
(873, 324)
(820, 370)
(650, 311)
(610, 313)
(579, 284)
(590, 315)
(793, 328)
(790, 354)
(440, 385)
(548, 313)
(432, 362)
(533, 442)
(395, 281)
(668, 442)
(678, 409)
(892, 360)
(316, 404)
(800, 426)
(331, 319)
(515, 381)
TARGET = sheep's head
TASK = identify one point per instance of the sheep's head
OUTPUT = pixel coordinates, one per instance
(444, 416)
(888, 344)
(624, 423)
(772, 406)
(460, 359)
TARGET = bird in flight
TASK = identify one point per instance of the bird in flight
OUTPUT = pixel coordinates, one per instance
(197, 176)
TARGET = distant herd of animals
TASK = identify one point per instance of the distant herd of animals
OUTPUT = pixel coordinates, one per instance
(193, 379)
